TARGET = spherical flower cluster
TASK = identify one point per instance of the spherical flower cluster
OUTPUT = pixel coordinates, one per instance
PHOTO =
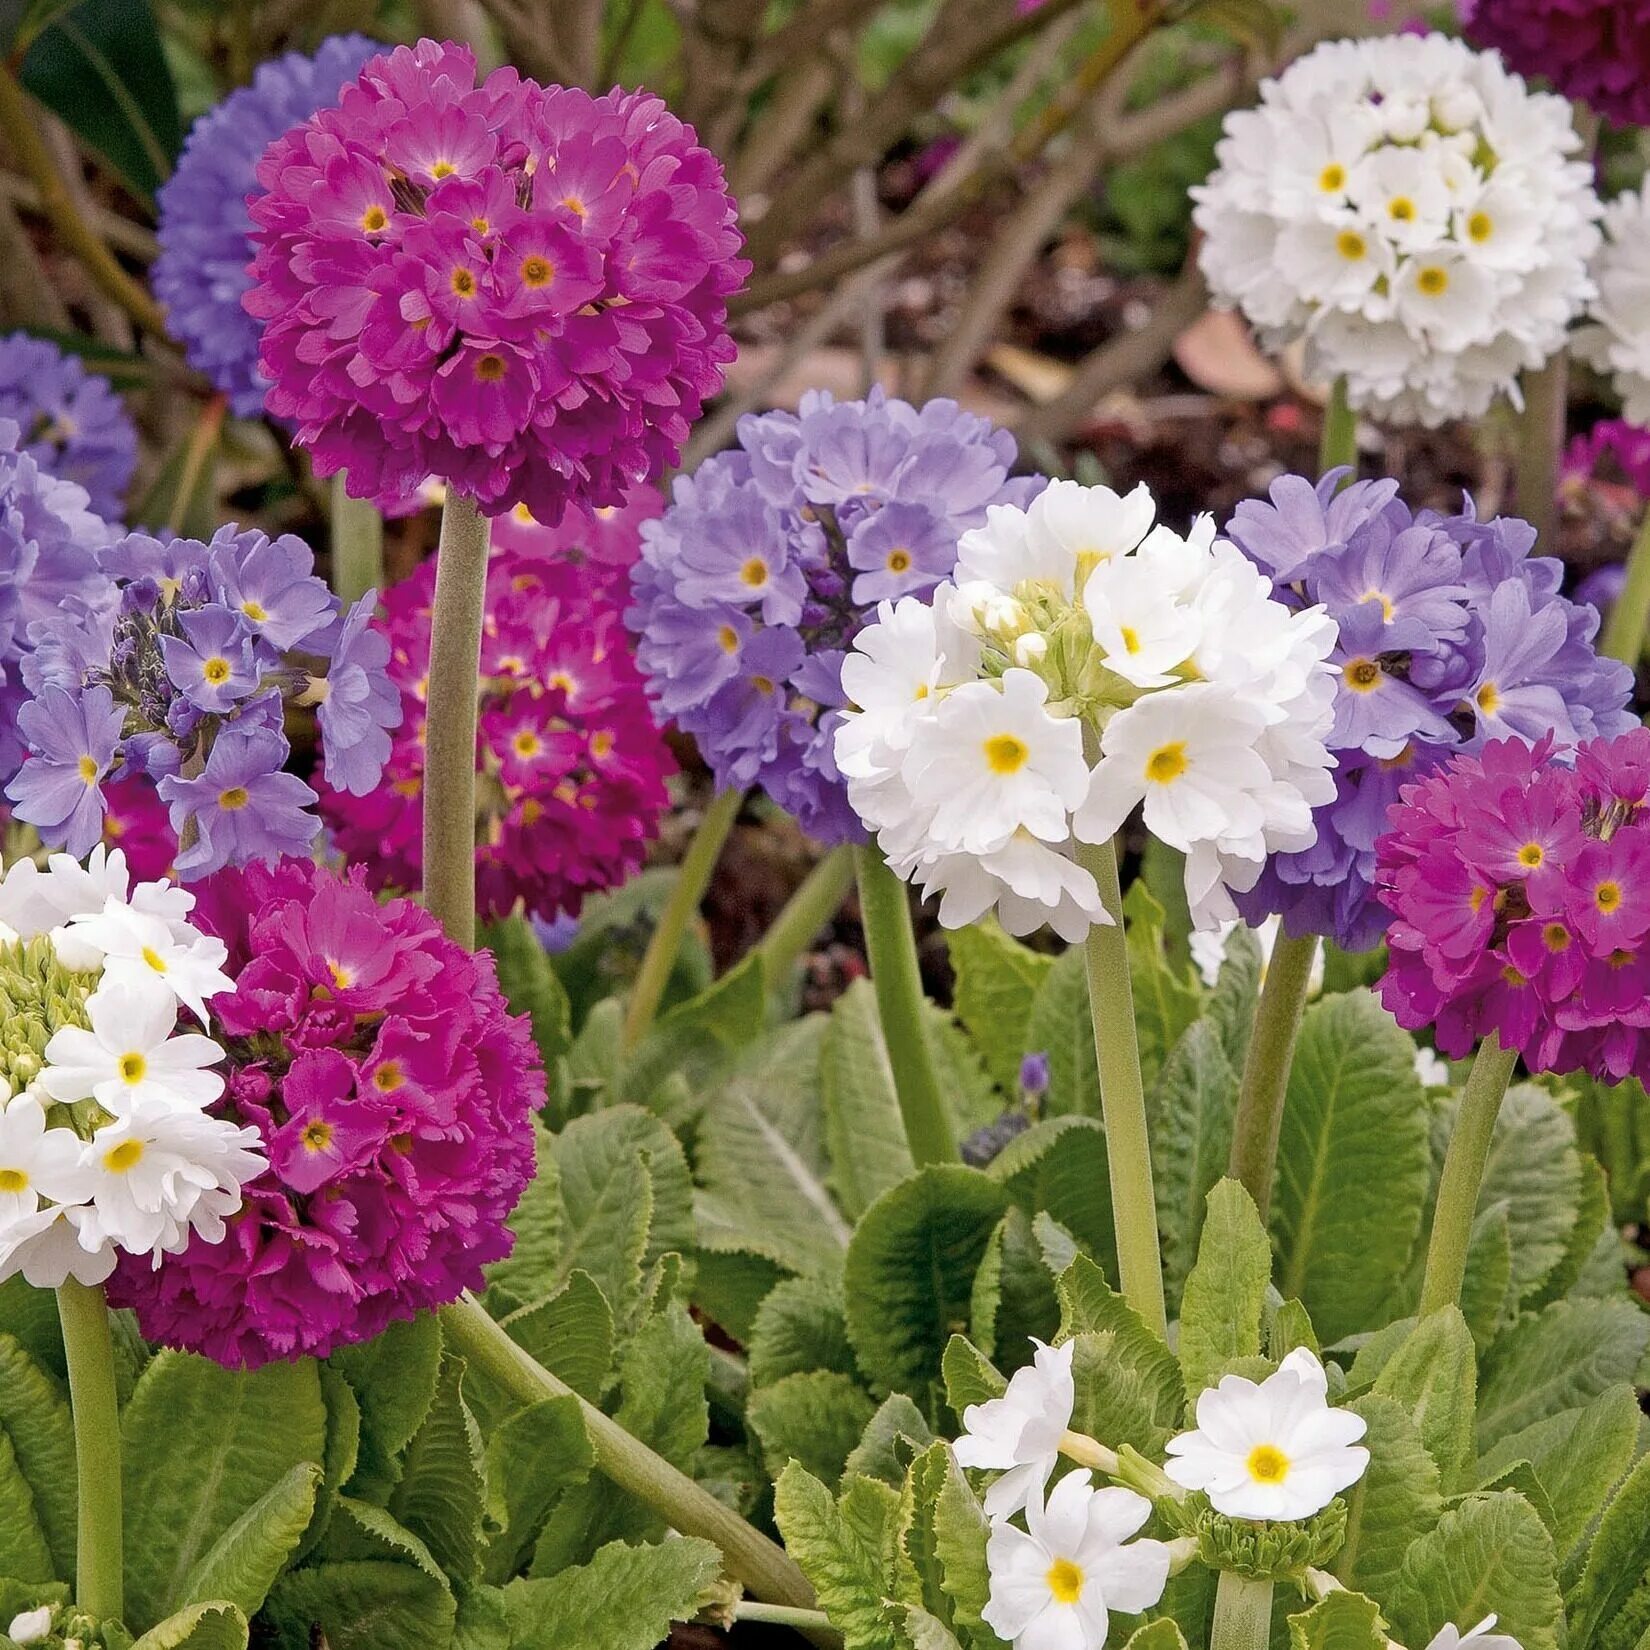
(1597, 51)
(183, 677)
(772, 556)
(71, 422)
(603, 542)
(393, 1093)
(1520, 892)
(1450, 633)
(108, 1143)
(1082, 663)
(205, 230)
(49, 577)
(571, 766)
(1617, 337)
(521, 289)
(1611, 445)
(1412, 211)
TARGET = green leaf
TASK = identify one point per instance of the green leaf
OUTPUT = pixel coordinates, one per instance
(815, 1419)
(1578, 1455)
(969, 1376)
(799, 1326)
(1618, 1559)
(531, 986)
(230, 1437)
(34, 1415)
(864, 1133)
(960, 1536)
(216, 1625)
(1534, 1169)
(1220, 1310)
(342, 1453)
(1167, 997)
(924, 1631)
(1236, 993)
(1557, 1359)
(1013, 1297)
(1433, 1375)
(876, 1455)
(762, 1164)
(1190, 1110)
(625, 1598)
(245, 1560)
(102, 68)
(1162, 1634)
(996, 984)
(482, 1622)
(1489, 1274)
(910, 1271)
(393, 1377)
(1354, 1165)
(1058, 1168)
(1129, 1384)
(442, 1492)
(1488, 1553)
(532, 1457)
(571, 1334)
(699, 1037)
(361, 1604)
(1398, 1498)
(1062, 1028)
(24, 1553)
(839, 1549)
(1291, 1328)
(183, 496)
(730, 1285)
(1338, 1621)
(1592, 1226)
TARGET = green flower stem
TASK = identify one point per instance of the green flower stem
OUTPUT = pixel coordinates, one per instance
(357, 545)
(815, 1623)
(1339, 442)
(763, 1568)
(90, 1352)
(891, 944)
(1469, 1150)
(450, 733)
(1266, 1067)
(1243, 1613)
(1540, 444)
(1123, 1096)
(1624, 631)
(692, 879)
(805, 913)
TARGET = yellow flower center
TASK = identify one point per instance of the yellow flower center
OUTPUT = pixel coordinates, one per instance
(255, 611)
(216, 669)
(754, 573)
(1332, 179)
(763, 685)
(1382, 598)
(489, 368)
(1131, 639)
(601, 744)
(463, 282)
(1488, 698)
(1351, 245)
(88, 770)
(1607, 896)
(341, 976)
(1065, 1581)
(1167, 763)
(1362, 675)
(442, 169)
(374, 219)
(1531, 855)
(1432, 282)
(575, 205)
(387, 1079)
(560, 679)
(1005, 753)
(154, 959)
(1268, 1464)
(537, 271)
(525, 743)
(1401, 209)
(13, 1180)
(317, 1136)
(727, 638)
(131, 1068)
(127, 1155)
(234, 799)
(1480, 226)
(899, 561)
(1556, 937)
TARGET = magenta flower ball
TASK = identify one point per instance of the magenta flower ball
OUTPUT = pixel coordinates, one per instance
(394, 1094)
(520, 288)
(1520, 892)
(1595, 50)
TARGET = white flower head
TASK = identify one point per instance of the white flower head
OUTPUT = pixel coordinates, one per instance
(137, 945)
(1413, 212)
(46, 1248)
(30, 1626)
(1019, 1433)
(1617, 339)
(1450, 1637)
(1054, 1584)
(130, 1055)
(35, 1162)
(1275, 1449)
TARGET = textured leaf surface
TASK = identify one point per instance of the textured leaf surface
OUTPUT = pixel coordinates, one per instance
(1220, 1310)
(442, 1492)
(625, 1598)
(1353, 1165)
(211, 1626)
(244, 1561)
(1167, 996)
(393, 1377)
(996, 984)
(815, 1418)
(1340, 1621)
(362, 1604)
(233, 1436)
(531, 1458)
(24, 1553)
(863, 1130)
(1058, 1168)
(800, 1326)
(1433, 1375)
(1533, 1167)
(841, 1555)
(34, 1414)
(1618, 1561)
(1013, 1298)
(1488, 1553)
(571, 1334)
(969, 1375)
(876, 1455)
(1398, 1498)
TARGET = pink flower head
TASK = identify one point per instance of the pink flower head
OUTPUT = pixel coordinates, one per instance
(606, 541)
(572, 766)
(1520, 892)
(520, 288)
(394, 1094)
(1595, 50)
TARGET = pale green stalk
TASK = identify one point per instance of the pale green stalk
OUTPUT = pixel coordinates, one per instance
(1540, 446)
(91, 1359)
(357, 545)
(806, 912)
(1338, 444)
(1243, 1613)
(1624, 630)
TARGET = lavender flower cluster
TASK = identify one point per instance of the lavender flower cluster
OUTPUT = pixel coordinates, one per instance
(181, 673)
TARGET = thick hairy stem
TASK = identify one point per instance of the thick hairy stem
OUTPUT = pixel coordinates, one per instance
(1243, 1613)
(1338, 445)
(357, 544)
(450, 732)
(90, 1353)
(1624, 631)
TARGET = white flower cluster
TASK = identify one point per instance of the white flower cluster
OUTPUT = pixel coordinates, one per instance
(1412, 210)
(1617, 340)
(105, 1140)
(1080, 663)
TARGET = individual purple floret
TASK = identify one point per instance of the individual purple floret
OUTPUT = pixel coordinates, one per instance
(205, 230)
(71, 421)
(182, 674)
(1451, 634)
(757, 578)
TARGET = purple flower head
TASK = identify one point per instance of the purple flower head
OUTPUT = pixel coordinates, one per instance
(72, 740)
(1520, 894)
(1034, 1076)
(522, 289)
(72, 423)
(205, 229)
(1451, 635)
(1597, 51)
(198, 648)
(770, 558)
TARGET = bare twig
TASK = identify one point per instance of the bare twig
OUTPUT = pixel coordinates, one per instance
(715, 47)
(796, 103)
(27, 296)
(121, 233)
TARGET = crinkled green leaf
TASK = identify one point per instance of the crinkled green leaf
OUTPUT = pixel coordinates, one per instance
(800, 1326)
(969, 1375)
(531, 986)
(532, 1457)
(815, 1418)
(910, 1272)
(571, 1334)
(1487, 1553)
(215, 1625)
(24, 1552)
(1618, 1561)
(1236, 992)
(864, 1133)
(1058, 1169)
(1398, 1498)
(1433, 1375)
(1220, 1310)
(1534, 1169)
(625, 1598)
(361, 1604)
(841, 1550)
(1488, 1280)
(34, 1414)
(393, 1377)
(1353, 1166)
(876, 1455)
(996, 983)
(1013, 1296)
(960, 1536)
(1592, 1226)
(925, 1632)
(1167, 996)
(442, 1492)
(1338, 1621)
(1062, 1027)
(1162, 1634)
(230, 1437)
(243, 1563)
